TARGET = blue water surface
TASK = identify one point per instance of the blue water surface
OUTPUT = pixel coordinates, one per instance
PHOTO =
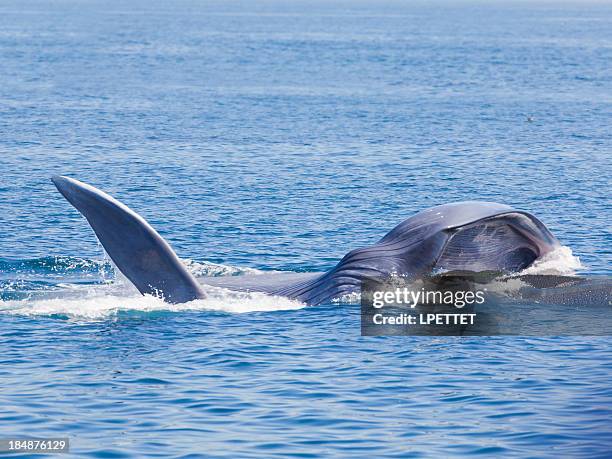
(281, 135)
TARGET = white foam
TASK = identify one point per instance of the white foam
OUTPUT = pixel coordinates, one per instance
(347, 298)
(206, 268)
(103, 302)
(560, 261)
(97, 302)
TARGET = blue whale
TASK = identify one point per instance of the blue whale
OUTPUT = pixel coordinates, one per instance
(465, 236)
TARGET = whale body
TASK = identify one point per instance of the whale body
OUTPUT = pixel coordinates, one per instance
(466, 236)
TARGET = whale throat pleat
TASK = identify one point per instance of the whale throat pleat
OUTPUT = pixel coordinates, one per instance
(492, 245)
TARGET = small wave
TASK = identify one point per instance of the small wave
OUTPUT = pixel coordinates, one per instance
(56, 265)
(104, 267)
(100, 303)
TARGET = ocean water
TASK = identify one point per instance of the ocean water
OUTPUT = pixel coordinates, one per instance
(260, 136)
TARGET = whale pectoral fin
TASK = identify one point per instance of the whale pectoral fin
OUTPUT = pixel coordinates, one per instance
(139, 252)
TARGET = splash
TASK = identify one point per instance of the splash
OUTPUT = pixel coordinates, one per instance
(560, 261)
(103, 303)
(84, 289)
